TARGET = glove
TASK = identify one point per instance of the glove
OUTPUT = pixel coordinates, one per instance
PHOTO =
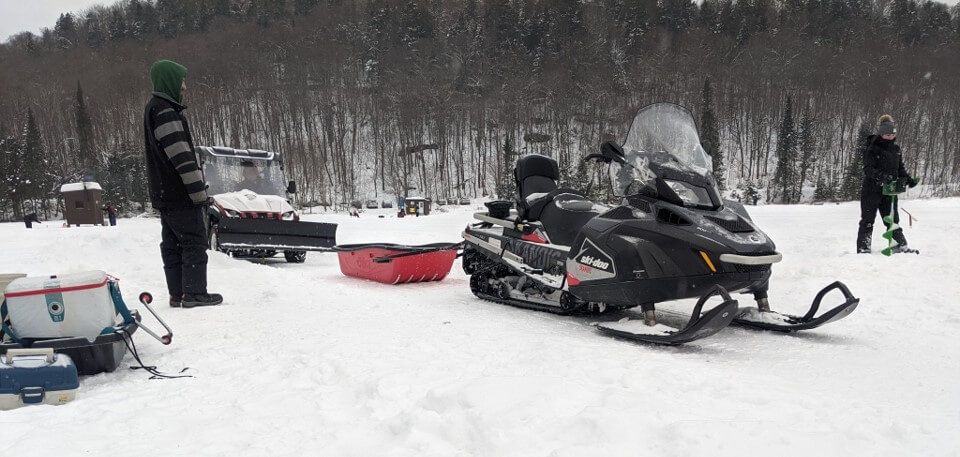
(912, 182)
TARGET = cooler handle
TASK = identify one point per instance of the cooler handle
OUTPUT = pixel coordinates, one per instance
(32, 395)
(11, 353)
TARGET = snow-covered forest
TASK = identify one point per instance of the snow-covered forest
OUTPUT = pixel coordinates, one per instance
(373, 98)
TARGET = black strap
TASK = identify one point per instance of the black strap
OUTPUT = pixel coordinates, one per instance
(155, 374)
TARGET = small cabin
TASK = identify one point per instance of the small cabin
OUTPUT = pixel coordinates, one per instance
(416, 206)
(82, 203)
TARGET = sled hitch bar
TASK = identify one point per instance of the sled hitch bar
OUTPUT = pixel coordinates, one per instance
(146, 298)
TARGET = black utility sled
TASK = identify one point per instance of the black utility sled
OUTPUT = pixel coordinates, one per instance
(234, 234)
(671, 237)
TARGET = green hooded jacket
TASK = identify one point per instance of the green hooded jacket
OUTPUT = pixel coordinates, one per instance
(167, 77)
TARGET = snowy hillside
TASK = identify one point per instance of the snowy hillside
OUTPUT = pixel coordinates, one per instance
(304, 361)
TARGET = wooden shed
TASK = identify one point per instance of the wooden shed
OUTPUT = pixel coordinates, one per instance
(416, 206)
(82, 203)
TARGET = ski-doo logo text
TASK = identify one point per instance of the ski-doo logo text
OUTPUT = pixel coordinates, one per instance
(593, 262)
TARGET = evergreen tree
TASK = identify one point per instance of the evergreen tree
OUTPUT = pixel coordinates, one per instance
(506, 187)
(824, 192)
(807, 146)
(118, 25)
(750, 194)
(66, 31)
(33, 172)
(11, 180)
(785, 174)
(303, 7)
(853, 174)
(94, 32)
(170, 17)
(87, 155)
(710, 134)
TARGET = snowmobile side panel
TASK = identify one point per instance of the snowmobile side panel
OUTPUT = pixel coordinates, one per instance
(239, 233)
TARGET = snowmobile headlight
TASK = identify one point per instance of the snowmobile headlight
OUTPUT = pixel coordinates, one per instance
(231, 213)
(288, 216)
(690, 195)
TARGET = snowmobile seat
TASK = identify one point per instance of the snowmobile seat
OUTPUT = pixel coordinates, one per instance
(536, 176)
(566, 214)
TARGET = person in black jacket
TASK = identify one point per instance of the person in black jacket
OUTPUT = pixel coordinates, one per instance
(177, 188)
(882, 164)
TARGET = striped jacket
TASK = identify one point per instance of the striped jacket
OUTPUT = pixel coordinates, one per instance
(173, 171)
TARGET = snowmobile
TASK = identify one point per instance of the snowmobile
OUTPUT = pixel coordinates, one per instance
(670, 237)
(250, 215)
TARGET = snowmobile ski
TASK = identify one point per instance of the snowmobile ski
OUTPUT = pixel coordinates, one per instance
(699, 326)
(752, 317)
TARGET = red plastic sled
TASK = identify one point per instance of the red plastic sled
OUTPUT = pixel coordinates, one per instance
(395, 263)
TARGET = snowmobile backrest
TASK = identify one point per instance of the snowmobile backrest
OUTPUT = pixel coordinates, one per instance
(536, 176)
(536, 173)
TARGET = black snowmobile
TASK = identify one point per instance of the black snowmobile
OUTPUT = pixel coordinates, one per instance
(671, 237)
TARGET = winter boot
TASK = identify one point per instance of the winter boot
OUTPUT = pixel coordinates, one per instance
(863, 244)
(192, 300)
(904, 249)
(176, 301)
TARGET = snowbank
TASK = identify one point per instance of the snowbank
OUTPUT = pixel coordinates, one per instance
(75, 186)
(304, 361)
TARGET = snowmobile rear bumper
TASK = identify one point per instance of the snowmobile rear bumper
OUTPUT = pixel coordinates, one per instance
(260, 234)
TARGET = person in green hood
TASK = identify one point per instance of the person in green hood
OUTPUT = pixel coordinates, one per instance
(169, 78)
(177, 188)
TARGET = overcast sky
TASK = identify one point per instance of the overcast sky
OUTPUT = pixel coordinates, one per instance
(20, 15)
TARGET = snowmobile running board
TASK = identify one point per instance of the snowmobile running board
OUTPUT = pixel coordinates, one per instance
(697, 327)
(769, 320)
(240, 233)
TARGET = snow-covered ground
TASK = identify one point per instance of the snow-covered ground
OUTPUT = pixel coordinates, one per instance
(304, 361)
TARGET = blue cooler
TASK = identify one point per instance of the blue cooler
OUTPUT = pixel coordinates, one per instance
(36, 376)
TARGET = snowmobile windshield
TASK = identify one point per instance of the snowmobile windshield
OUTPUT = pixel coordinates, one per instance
(663, 143)
(232, 174)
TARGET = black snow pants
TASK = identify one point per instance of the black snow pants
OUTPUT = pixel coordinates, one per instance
(184, 250)
(871, 203)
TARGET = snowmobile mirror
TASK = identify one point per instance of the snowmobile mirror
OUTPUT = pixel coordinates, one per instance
(292, 187)
(612, 152)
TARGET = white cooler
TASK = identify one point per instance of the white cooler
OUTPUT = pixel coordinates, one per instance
(7, 278)
(71, 305)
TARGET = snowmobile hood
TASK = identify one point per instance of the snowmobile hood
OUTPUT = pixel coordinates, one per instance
(248, 201)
